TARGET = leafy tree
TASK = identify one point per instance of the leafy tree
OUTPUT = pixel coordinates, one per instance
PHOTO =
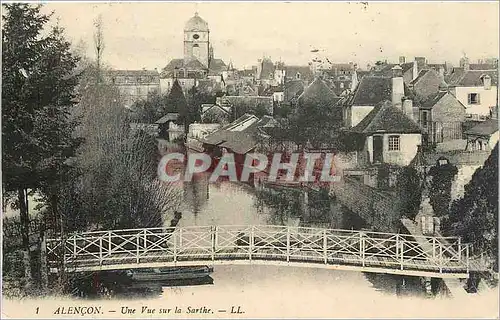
(151, 109)
(440, 187)
(409, 189)
(38, 83)
(316, 122)
(474, 217)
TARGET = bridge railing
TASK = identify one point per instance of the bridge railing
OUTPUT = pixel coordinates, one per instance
(279, 243)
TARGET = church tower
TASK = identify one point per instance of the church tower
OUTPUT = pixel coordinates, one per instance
(197, 40)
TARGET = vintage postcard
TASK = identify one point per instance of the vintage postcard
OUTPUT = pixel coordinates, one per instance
(249, 160)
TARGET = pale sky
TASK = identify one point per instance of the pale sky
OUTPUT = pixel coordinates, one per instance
(148, 35)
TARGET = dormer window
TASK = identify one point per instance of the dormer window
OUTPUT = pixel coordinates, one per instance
(297, 75)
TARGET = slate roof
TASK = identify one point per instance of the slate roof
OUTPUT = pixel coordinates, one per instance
(293, 89)
(318, 92)
(386, 69)
(474, 78)
(485, 128)
(372, 90)
(431, 101)
(239, 141)
(216, 67)
(482, 66)
(306, 73)
(421, 74)
(190, 65)
(386, 118)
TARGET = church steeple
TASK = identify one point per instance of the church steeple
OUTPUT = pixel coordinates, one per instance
(197, 40)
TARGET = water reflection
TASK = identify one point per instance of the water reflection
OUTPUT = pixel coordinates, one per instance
(117, 285)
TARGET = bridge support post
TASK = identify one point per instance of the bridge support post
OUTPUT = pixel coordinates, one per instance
(459, 249)
(428, 286)
(325, 247)
(402, 253)
(397, 246)
(43, 262)
(100, 251)
(467, 257)
(287, 244)
(137, 237)
(174, 239)
(362, 247)
(250, 249)
(213, 230)
(440, 258)
(434, 248)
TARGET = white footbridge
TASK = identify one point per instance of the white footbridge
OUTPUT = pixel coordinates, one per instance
(403, 254)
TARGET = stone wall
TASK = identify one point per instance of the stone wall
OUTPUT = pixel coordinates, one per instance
(380, 210)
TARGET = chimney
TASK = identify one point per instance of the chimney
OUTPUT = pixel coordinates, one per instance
(402, 59)
(441, 72)
(398, 90)
(408, 108)
(487, 82)
(415, 70)
(466, 64)
(421, 62)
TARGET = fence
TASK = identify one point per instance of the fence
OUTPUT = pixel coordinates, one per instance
(438, 132)
(385, 251)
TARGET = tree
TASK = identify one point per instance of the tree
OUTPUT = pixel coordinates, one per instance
(409, 189)
(38, 83)
(151, 109)
(177, 101)
(316, 120)
(474, 217)
(440, 187)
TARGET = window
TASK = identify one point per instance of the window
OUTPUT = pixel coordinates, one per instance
(425, 118)
(473, 98)
(297, 75)
(341, 85)
(394, 143)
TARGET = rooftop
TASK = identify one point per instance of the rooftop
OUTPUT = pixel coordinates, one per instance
(386, 118)
(485, 128)
(196, 23)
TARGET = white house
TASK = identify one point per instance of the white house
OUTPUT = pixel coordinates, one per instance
(477, 90)
(390, 135)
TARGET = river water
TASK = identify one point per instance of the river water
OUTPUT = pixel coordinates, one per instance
(284, 291)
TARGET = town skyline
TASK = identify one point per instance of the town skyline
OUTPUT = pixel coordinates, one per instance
(150, 34)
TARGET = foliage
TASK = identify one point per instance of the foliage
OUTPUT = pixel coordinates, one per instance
(315, 122)
(177, 101)
(118, 187)
(440, 187)
(259, 108)
(474, 217)
(151, 109)
(38, 95)
(409, 188)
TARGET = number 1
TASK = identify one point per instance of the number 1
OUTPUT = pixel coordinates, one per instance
(37, 308)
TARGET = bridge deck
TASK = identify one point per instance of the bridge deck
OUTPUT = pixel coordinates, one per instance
(307, 247)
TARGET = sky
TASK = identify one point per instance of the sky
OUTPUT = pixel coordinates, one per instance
(149, 34)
